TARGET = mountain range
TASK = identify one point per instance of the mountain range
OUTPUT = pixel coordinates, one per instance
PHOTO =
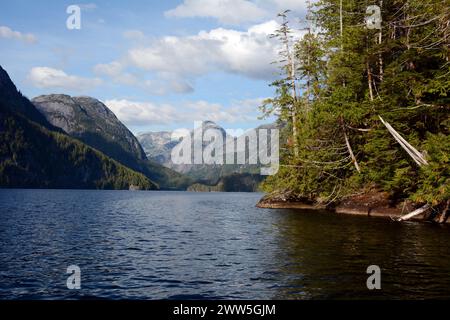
(59, 141)
(158, 146)
(91, 122)
(36, 154)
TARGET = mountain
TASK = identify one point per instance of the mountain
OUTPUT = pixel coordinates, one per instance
(35, 154)
(13, 101)
(158, 146)
(90, 121)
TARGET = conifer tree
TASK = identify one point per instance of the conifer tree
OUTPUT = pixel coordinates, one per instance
(350, 75)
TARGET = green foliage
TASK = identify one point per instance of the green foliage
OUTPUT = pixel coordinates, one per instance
(32, 156)
(347, 81)
(433, 183)
(236, 182)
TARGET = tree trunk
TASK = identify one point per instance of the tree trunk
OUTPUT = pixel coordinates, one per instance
(294, 105)
(341, 23)
(414, 213)
(349, 147)
(380, 56)
(369, 80)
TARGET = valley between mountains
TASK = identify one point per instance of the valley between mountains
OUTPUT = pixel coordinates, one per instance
(59, 141)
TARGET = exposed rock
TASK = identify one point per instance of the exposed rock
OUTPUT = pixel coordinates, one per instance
(370, 203)
(158, 146)
(92, 122)
(35, 154)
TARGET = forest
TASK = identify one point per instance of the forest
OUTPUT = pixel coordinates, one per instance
(366, 103)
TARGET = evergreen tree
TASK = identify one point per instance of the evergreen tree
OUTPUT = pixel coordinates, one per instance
(351, 75)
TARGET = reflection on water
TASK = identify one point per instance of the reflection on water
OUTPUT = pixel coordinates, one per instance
(327, 255)
(153, 245)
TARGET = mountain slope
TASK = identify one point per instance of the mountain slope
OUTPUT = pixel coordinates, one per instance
(12, 100)
(158, 146)
(90, 121)
(33, 155)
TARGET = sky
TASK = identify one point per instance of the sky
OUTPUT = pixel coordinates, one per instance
(158, 65)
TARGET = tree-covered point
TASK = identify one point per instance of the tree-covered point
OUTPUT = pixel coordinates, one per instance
(340, 78)
(235, 182)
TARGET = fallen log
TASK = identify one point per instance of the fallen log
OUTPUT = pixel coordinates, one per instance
(413, 153)
(444, 214)
(414, 213)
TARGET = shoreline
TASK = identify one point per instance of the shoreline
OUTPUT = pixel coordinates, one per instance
(387, 213)
(372, 204)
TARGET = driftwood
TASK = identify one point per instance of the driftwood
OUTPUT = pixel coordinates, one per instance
(444, 214)
(414, 213)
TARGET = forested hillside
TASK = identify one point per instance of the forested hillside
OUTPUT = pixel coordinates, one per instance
(90, 121)
(367, 108)
(34, 154)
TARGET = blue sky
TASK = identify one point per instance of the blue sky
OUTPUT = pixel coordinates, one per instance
(159, 65)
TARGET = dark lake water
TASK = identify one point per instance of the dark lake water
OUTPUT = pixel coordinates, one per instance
(179, 245)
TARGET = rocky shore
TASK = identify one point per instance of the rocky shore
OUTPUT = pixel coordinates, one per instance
(370, 203)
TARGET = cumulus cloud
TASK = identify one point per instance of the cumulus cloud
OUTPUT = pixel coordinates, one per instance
(44, 77)
(249, 53)
(167, 83)
(8, 33)
(173, 63)
(235, 12)
(162, 84)
(226, 11)
(135, 113)
(143, 113)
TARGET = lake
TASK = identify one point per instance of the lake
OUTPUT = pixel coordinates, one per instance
(181, 245)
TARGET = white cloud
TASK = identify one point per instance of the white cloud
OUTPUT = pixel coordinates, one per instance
(236, 12)
(164, 83)
(134, 113)
(142, 113)
(8, 33)
(44, 77)
(171, 64)
(226, 11)
(249, 53)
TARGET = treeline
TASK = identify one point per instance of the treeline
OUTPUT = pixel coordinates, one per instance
(342, 79)
(235, 182)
